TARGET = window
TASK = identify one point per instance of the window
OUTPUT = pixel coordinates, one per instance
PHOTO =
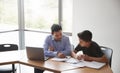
(8, 15)
(67, 15)
(8, 21)
(36, 38)
(40, 14)
(35, 20)
(9, 38)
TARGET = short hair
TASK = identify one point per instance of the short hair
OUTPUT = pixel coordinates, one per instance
(55, 28)
(85, 35)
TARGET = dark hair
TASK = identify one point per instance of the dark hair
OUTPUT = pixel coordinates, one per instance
(85, 35)
(55, 28)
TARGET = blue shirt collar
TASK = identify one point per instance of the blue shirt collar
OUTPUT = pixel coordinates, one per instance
(54, 39)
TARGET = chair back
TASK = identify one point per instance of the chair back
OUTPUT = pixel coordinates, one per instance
(108, 53)
(8, 47)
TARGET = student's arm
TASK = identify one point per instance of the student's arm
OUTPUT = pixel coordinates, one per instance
(100, 59)
(49, 50)
(73, 53)
(79, 57)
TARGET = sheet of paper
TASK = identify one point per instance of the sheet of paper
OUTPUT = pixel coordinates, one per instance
(80, 63)
(93, 64)
(79, 53)
(72, 61)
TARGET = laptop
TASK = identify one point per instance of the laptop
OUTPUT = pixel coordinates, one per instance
(35, 53)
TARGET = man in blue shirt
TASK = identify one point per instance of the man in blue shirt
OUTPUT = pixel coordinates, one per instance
(56, 44)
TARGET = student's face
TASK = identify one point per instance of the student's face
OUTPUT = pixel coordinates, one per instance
(83, 43)
(57, 35)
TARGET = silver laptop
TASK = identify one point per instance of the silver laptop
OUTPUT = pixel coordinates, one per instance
(35, 53)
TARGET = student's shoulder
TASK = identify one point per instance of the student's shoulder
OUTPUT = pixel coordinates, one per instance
(94, 44)
(78, 47)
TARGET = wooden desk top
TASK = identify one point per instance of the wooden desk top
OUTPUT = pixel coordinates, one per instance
(49, 65)
(12, 57)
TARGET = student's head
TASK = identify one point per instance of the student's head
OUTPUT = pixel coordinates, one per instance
(56, 31)
(85, 38)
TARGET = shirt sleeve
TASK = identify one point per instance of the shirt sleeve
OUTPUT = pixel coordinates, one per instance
(78, 48)
(46, 47)
(67, 49)
(99, 52)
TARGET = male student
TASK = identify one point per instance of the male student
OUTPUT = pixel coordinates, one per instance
(56, 44)
(91, 50)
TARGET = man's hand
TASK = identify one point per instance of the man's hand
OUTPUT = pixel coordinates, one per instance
(51, 48)
(61, 55)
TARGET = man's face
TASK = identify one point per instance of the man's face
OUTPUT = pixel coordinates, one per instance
(83, 43)
(57, 35)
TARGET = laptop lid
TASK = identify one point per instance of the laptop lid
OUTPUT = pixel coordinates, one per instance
(35, 53)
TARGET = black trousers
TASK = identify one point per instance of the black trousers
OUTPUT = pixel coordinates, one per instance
(38, 70)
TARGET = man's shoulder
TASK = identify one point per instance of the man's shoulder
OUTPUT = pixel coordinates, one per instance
(49, 37)
(65, 37)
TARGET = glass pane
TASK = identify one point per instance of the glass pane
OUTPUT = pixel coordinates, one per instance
(9, 38)
(36, 38)
(8, 15)
(67, 15)
(40, 14)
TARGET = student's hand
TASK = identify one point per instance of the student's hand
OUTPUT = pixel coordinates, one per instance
(51, 48)
(87, 58)
(80, 57)
(60, 55)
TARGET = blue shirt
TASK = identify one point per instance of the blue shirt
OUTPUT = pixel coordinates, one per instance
(62, 46)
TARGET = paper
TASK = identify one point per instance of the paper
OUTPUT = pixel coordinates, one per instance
(79, 53)
(93, 64)
(72, 61)
(80, 63)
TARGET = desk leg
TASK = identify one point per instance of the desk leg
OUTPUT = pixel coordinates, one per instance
(13, 68)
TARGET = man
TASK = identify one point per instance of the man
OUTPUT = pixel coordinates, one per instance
(91, 50)
(56, 44)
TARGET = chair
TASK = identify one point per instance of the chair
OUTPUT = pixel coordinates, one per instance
(108, 52)
(8, 68)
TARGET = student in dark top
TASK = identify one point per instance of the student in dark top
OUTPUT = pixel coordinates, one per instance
(91, 50)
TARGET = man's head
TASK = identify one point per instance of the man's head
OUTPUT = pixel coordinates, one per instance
(85, 38)
(56, 31)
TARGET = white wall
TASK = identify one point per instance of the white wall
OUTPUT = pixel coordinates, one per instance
(102, 17)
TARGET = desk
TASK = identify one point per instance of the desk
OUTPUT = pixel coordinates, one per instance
(13, 57)
(49, 65)
(53, 66)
